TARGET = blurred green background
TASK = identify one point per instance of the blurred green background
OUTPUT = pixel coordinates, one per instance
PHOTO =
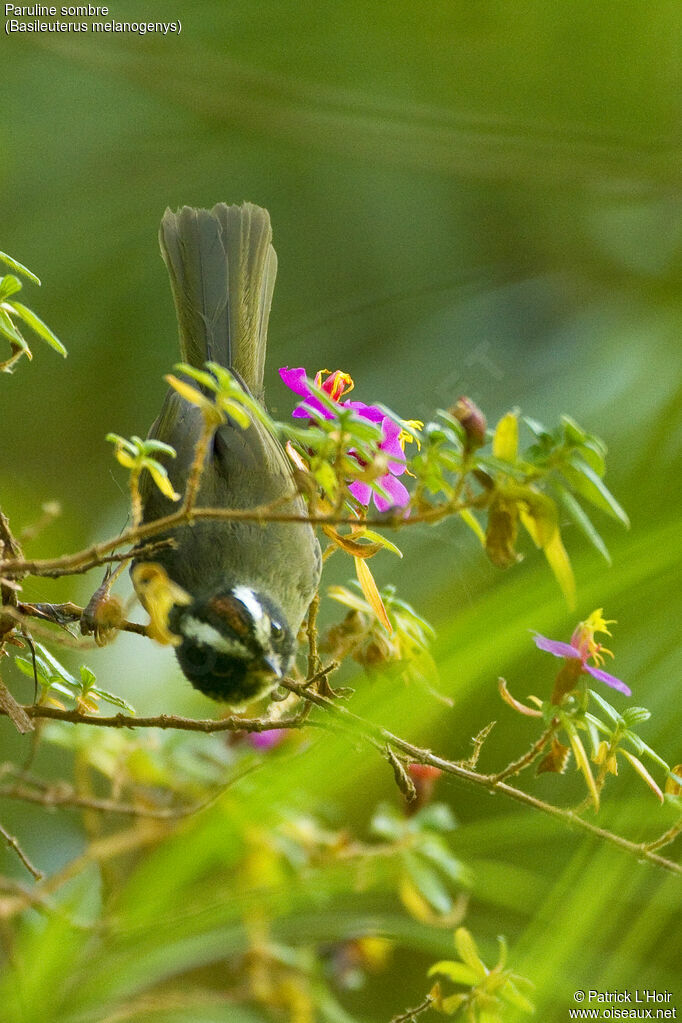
(467, 198)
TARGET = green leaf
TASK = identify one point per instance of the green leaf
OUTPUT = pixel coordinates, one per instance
(581, 520)
(428, 883)
(635, 715)
(40, 328)
(19, 267)
(458, 973)
(474, 525)
(88, 676)
(452, 1003)
(467, 950)
(610, 711)
(9, 285)
(151, 446)
(435, 850)
(116, 701)
(573, 434)
(583, 479)
(370, 534)
(511, 994)
(537, 429)
(386, 823)
(436, 816)
(11, 333)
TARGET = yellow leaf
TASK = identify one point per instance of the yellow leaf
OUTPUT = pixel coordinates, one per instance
(360, 532)
(293, 454)
(556, 555)
(234, 409)
(160, 477)
(672, 786)
(186, 391)
(583, 765)
(124, 458)
(351, 546)
(506, 438)
(158, 593)
(643, 773)
(474, 525)
(372, 595)
(468, 951)
(414, 902)
(539, 515)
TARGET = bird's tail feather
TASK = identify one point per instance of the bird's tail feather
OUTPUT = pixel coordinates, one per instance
(222, 268)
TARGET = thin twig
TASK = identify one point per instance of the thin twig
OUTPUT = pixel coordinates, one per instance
(376, 734)
(411, 1014)
(527, 759)
(97, 554)
(67, 797)
(666, 838)
(230, 724)
(13, 843)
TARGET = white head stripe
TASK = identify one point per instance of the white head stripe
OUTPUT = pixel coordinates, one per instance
(202, 632)
(250, 601)
(258, 614)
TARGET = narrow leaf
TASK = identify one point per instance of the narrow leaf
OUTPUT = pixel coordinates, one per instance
(643, 773)
(371, 592)
(11, 333)
(9, 285)
(581, 520)
(582, 478)
(40, 328)
(14, 264)
(468, 952)
(558, 560)
(582, 762)
(474, 525)
(458, 973)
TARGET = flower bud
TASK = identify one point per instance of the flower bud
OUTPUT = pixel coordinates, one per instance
(424, 778)
(472, 419)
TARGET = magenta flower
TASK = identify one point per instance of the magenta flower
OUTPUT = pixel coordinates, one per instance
(268, 739)
(337, 384)
(582, 648)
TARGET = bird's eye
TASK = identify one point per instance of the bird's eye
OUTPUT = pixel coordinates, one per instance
(276, 630)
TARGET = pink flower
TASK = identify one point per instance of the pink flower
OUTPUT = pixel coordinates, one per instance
(582, 648)
(268, 739)
(337, 384)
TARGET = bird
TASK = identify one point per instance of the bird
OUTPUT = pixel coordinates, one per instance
(240, 589)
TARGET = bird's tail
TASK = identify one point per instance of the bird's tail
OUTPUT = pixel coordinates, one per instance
(222, 268)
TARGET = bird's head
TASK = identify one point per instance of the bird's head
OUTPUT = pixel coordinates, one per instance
(234, 645)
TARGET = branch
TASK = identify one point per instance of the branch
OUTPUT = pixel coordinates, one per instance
(14, 844)
(55, 796)
(375, 733)
(98, 554)
(378, 736)
(229, 724)
(411, 1014)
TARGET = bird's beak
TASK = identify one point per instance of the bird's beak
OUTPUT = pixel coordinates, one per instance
(273, 664)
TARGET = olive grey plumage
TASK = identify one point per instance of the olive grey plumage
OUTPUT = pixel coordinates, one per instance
(250, 585)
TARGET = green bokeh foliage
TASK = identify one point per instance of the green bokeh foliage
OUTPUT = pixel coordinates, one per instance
(466, 198)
